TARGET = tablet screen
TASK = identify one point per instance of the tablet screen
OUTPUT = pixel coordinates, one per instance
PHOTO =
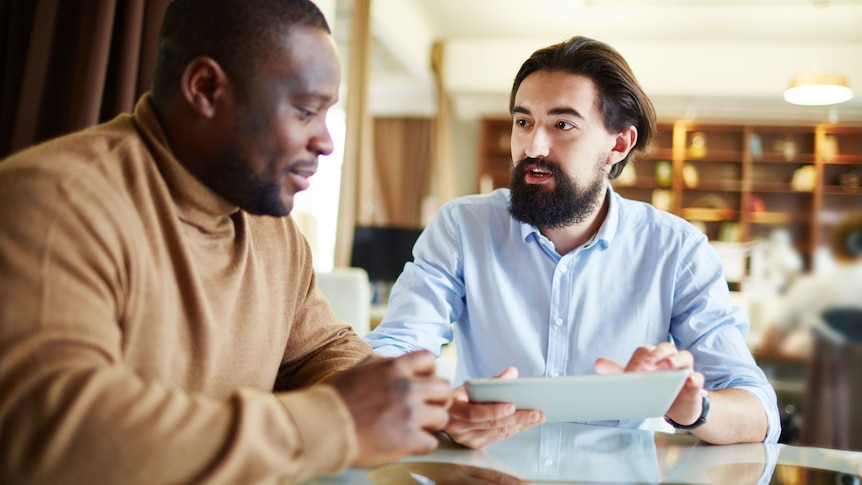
(630, 395)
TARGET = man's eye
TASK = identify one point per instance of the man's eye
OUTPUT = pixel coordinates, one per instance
(565, 125)
(305, 114)
(521, 122)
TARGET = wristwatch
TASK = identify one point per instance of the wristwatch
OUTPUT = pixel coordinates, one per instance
(700, 421)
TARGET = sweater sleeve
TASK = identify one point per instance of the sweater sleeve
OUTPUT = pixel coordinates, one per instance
(71, 411)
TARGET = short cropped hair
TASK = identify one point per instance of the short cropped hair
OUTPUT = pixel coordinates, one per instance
(237, 34)
(621, 101)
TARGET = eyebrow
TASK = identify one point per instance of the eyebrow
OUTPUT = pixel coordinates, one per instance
(552, 112)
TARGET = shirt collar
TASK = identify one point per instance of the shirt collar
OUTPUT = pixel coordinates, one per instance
(196, 203)
(605, 234)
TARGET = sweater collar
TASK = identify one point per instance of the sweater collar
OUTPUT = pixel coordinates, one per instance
(196, 203)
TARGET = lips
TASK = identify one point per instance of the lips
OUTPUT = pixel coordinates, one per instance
(535, 174)
(300, 173)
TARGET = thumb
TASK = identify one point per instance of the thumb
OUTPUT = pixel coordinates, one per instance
(508, 373)
(608, 366)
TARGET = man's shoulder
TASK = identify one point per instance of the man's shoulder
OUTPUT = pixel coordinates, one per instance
(496, 201)
(87, 152)
(645, 216)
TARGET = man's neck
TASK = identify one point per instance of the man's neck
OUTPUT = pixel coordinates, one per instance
(567, 238)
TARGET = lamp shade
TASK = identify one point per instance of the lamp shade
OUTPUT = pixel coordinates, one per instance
(818, 89)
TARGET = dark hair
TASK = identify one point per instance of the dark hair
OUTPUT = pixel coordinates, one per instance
(238, 34)
(846, 240)
(622, 101)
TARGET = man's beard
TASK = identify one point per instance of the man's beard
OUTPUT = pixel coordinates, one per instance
(564, 205)
(232, 178)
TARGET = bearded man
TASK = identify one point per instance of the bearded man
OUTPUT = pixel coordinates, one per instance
(559, 275)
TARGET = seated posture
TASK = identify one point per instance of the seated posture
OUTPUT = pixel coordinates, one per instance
(159, 316)
(803, 304)
(562, 276)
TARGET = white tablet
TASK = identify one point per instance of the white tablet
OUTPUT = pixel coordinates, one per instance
(630, 395)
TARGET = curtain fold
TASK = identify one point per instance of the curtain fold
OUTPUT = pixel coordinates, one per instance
(70, 65)
(402, 161)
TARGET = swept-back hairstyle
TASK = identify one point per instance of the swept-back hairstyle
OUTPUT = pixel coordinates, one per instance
(237, 34)
(621, 101)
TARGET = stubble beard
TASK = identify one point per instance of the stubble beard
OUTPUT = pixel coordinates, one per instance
(565, 205)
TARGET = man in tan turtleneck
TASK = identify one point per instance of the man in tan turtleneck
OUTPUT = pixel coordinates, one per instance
(159, 317)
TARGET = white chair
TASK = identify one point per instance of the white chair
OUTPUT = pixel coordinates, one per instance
(349, 292)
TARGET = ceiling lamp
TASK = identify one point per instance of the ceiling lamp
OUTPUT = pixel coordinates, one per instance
(818, 89)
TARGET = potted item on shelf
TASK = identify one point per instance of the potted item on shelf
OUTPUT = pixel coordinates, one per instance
(756, 204)
(697, 149)
(755, 145)
(730, 232)
(662, 199)
(852, 179)
(804, 179)
(663, 173)
(829, 148)
(787, 148)
(690, 176)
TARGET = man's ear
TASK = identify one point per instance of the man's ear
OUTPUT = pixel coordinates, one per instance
(203, 83)
(623, 144)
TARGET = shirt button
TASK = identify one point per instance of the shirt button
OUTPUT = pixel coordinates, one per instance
(554, 374)
(564, 268)
(558, 321)
(549, 462)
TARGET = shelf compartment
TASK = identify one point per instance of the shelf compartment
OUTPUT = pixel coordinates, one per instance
(709, 214)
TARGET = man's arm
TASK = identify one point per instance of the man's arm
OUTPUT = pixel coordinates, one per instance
(735, 415)
(428, 295)
(71, 411)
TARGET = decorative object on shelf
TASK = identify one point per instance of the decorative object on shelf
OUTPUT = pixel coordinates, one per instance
(662, 199)
(697, 149)
(756, 204)
(690, 175)
(755, 146)
(804, 179)
(709, 207)
(663, 173)
(711, 201)
(627, 177)
(852, 179)
(787, 147)
(816, 89)
(730, 232)
(829, 148)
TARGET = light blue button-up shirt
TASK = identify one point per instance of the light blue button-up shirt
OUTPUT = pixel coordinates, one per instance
(498, 287)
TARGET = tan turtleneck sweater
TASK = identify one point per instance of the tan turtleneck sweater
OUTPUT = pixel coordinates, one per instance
(145, 321)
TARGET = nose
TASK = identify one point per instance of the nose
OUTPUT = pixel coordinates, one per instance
(538, 144)
(321, 142)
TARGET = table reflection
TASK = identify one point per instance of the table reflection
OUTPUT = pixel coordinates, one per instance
(579, 453)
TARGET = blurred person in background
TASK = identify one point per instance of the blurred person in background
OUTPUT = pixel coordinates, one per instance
(810, 295)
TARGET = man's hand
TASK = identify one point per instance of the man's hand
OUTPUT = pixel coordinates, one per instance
(476, 425)
(686, 408)
(396, 405)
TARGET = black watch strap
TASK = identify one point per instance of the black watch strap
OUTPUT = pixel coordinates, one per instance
(700, 421)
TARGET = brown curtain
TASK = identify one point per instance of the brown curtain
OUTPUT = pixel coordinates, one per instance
(402, 161)
(69, 64)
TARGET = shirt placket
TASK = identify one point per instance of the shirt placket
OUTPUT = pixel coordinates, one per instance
(558, 326)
